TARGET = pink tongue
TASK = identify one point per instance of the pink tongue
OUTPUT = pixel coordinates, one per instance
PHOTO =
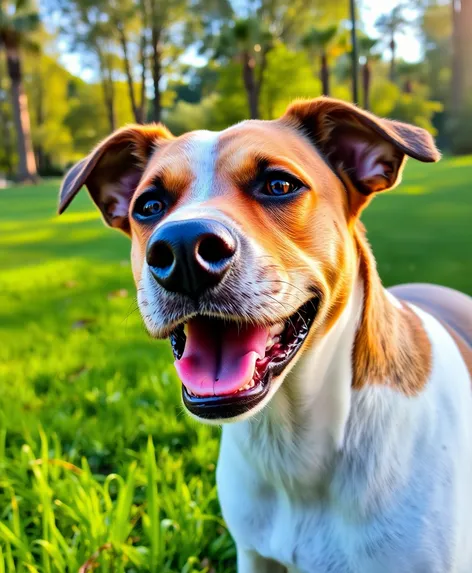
(219, 358)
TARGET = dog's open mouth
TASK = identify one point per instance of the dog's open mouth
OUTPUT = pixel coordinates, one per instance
(226, 366)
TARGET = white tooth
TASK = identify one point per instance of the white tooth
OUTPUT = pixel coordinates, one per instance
(276, 330)
(272, 341)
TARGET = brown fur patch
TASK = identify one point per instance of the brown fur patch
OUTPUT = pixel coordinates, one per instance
(451, 308)
(391, 345)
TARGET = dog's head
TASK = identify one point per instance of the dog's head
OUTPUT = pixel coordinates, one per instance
(242, 240)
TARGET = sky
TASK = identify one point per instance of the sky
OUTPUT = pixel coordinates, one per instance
(408, 45)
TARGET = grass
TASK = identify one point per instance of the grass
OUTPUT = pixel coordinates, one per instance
(99, 466)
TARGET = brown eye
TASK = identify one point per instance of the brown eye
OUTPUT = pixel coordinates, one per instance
(280, 187)
(148, 206)
(151, 207)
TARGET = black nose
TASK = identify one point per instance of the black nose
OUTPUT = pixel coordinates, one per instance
(190, 256)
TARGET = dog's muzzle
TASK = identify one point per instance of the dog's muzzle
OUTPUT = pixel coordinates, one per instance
(189, 257)
(227, 352)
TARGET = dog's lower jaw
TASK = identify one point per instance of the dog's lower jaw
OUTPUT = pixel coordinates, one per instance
(303, 425)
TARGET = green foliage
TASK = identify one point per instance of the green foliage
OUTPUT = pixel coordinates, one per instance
(98, 462)
(384, 95)
(416, 109)
(318, 40)
(288, 75)
(47, 88)
(19, 19)
(191, 116)
(231, 105)
(389, 101)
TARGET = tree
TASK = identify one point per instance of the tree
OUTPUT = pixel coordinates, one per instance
(249, 39)
(171, 26)
(461, 83)
(354, 54)
(319, 41)
(366, 45)
(407, 73)
(18, 21)
(130, 26)
(6, 149)
(389, 26)
(248, 42)
(436, 34)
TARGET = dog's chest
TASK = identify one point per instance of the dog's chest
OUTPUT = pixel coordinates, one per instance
(312, 534)
(316, 527)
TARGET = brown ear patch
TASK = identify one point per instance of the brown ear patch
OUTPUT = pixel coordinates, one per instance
(320, 116)
(391, 345)
(112, 171)
(361, 148)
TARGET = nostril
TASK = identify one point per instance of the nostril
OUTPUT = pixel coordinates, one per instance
(214, 249)
(162, 256)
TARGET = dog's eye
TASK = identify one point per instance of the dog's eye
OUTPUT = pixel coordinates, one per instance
(148, 206)
(280, 186)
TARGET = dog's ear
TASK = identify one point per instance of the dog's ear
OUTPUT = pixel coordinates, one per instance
(366, 151)
(111, 172)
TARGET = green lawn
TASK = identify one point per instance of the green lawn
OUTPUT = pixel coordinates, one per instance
(99, 466)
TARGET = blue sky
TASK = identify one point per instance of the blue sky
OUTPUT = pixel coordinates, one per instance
(408, 48)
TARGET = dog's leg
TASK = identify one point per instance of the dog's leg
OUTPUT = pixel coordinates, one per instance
(251, 562)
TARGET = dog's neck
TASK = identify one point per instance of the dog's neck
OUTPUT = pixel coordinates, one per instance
(371, 344)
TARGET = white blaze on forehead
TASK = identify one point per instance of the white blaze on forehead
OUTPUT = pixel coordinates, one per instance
(201, 149)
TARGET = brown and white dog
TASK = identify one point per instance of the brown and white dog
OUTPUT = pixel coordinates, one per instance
(351, 447)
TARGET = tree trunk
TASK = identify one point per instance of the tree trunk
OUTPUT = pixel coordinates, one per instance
(142, 91)
(393, 47)
(143, 60)
(40, 118)
(129, 75)
(466, 48)
(456, 78)
(354, 52)
(109, 98)
(252, 88)
(156, 73)
(6, 141)
(366, 76)
(108, 89)
(26, 160)
(6, 132)
(324, 73)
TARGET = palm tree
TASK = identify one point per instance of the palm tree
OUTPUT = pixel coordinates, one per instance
(319, 41)
(408, 72)
(18, 19)
(247, 41)
(389, 25)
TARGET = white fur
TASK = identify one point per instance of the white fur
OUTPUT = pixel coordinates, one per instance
(201, 149)
(327, 479)
(393, 299)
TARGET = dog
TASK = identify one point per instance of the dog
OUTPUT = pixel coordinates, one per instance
(346, 408)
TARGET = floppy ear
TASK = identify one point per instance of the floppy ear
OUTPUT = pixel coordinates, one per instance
(112, 171)
(367, 152)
